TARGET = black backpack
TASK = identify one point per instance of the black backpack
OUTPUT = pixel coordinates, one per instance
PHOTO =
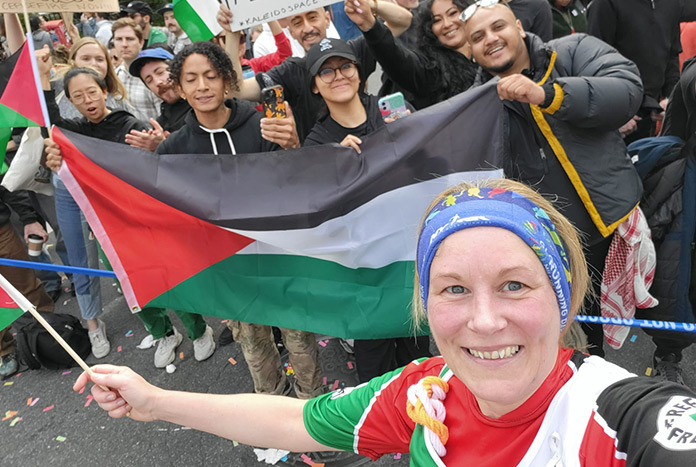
(37, 348)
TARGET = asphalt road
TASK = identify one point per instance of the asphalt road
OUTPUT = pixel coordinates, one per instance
(62, 429)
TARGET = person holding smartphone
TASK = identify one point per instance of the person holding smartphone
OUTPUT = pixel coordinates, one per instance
(350, 115)
(349, 112)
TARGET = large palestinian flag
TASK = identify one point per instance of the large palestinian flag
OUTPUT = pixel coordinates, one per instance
(22, 102)
(318, 239)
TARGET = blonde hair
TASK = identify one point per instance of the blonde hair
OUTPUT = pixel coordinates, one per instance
(113, 85)
(568, 234)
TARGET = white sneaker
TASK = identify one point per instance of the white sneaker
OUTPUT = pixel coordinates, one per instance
(100, 344)
(166, 349)
(204, 346)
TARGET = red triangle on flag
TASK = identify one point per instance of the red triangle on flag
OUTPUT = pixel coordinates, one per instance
(20, 93)
(157, 245)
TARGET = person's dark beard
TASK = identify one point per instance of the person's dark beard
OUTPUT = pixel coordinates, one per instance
(501, 69)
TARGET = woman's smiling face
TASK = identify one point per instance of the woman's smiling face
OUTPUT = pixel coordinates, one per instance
(494, 316)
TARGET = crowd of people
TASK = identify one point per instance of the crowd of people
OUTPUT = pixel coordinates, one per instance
(579, 81)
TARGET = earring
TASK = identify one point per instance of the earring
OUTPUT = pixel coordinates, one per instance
(227, 92)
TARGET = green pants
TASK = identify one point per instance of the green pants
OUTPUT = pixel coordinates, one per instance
(156, 320)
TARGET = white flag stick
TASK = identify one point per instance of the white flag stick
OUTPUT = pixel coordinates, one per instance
(26, 305)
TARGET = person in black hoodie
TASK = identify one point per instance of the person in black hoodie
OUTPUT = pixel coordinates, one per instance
(87, 91)
(353, 114)
(203, 76)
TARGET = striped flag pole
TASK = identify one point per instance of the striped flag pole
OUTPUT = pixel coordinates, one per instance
(26, 305)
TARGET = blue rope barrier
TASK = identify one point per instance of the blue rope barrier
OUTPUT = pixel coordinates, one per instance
(56, 267)
(639, 323)
(635, 323)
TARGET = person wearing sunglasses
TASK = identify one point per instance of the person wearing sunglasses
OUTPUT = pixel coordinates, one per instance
(565, 101)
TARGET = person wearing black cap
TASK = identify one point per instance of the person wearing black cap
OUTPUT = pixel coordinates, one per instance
(152, 67)
(142, 14)
(352, 114)
(178, 39)
(309, 28)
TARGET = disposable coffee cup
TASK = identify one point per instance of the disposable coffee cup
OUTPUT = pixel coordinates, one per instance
(35, 245)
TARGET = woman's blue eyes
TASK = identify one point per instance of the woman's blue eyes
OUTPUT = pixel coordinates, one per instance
(456, 289)
(513, 286)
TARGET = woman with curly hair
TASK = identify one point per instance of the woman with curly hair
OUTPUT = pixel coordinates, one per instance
(439, 68)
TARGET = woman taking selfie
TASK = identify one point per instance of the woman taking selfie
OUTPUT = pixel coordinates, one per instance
(500, 276)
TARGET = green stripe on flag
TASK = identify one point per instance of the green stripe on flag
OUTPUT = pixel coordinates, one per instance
(337, 301)
(191, 22)
(8, 316)
(10, 118)
(5, 134)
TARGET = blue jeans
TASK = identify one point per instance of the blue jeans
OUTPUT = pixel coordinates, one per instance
(82, 252)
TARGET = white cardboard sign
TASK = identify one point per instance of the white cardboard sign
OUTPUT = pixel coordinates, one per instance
(46, 6)
(249, 13)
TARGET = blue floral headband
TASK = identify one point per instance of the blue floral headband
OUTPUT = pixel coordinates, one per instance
(496, 207)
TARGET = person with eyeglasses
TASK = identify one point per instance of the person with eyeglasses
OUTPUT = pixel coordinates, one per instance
(564, 101)
(350, 113)
(87, 91)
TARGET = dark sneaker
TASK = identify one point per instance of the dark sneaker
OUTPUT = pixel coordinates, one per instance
(226, 337)
(8, 365)
(667, 369)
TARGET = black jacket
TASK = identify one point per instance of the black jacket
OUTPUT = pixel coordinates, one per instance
(535, 16)
(173, 116)
(680, 117)
(240, 135)
(596, 91)
(114, 127)
(647, 33)
(327, 130)
(19, 202)
(415, 71)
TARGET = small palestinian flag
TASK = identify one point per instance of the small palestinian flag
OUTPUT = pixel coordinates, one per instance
(198, 18)
(22, 101)
(9, 310)
(318, 239)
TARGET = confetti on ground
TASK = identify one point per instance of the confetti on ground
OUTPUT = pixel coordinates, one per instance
(232, 361)
(397, 456)
(170, 368)
(224, 321)
(129, 333)
(65, 302)
(648, 371)
(67, 372)
(18, 375)
(324, 381)
(15, 421)
(82, 390)
(317, 464)
(9, 383)
(9, 414)
(322, 343)
(235, 444)
(119, 349)
(307, 460)
(181, 355)
(61, 438)
(89, 400)
(350, 365)
(147, 342)
(50, 407)
(633, 338)
(334, 386)
(33, 403)
(29, 401)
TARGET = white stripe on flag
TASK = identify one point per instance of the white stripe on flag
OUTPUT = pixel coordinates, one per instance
(374, 235)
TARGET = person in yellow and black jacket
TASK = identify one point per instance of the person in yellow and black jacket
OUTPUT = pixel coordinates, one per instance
(564, 101)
